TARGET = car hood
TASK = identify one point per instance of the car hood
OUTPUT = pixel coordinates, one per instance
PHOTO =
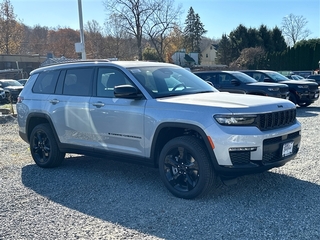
(267, 84)
(14, 88)
(228, 102)
(299, 82)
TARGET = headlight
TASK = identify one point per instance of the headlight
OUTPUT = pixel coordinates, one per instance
(236, 120)
(275, 89)
(303, 86)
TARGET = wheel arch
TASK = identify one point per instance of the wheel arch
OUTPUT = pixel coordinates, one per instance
(35, 119)
(169, 130)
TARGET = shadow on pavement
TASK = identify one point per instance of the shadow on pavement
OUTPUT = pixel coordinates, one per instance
(134, 197)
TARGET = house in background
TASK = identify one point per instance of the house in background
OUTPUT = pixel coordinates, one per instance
(183, 59)
(209, 55)
(208, 58)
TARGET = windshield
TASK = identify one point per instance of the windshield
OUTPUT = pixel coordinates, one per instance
(244, 77)
(170, 81)
(296, 77)
(10, 83)
(276, 76)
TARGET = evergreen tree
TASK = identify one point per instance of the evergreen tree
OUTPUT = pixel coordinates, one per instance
(266, 36)
(224, 51)
(278, 40)
(188, 32)
(193, 32)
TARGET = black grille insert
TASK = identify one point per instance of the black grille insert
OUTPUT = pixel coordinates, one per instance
(268, 121)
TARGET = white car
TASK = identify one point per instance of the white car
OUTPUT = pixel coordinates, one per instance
(157, 114)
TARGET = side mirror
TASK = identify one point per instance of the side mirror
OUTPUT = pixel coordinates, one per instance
(268, 80)
(235, 82)
(126, 91)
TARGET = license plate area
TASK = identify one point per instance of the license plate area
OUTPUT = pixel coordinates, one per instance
(287, 149)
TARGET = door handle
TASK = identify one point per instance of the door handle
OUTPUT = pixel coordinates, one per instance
(54, 101)
(98, 104)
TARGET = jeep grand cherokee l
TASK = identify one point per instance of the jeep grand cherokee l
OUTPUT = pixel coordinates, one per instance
(238, 82)
(302, 93)
(157, 114)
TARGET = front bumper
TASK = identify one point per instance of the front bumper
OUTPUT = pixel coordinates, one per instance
(254, 151)
(308, 96)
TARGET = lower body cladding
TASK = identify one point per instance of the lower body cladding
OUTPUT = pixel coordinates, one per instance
(253, 153)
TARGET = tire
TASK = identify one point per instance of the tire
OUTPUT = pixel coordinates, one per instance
(189, 176)
(44, 148)
(305, 104)
(292, 98)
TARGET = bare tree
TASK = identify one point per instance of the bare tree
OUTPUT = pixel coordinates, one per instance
(133, 15)
(11, 32)
(294, 28)
(117, 37)
(94, 39)
(62, 42)
(249, 58)
(161, 24)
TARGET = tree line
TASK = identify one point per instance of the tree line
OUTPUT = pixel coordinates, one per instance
(150, 30)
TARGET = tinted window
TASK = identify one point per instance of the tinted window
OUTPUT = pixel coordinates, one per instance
(108, 78)
(46, 82)
(78, 82)
(169, 81)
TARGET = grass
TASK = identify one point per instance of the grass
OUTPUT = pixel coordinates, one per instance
(8, 106)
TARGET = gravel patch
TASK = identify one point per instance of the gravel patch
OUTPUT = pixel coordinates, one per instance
(93, 198)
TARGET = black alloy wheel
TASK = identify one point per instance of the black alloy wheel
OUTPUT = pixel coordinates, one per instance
(185, 167)
(43, 147)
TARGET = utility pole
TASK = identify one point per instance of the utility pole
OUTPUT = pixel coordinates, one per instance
(83, 50)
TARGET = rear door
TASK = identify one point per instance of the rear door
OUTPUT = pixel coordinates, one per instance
(69, 106)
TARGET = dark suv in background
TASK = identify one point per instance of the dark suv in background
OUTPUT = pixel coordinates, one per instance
(316, 78)
(238, 82)
(12, 89)
(302, 93)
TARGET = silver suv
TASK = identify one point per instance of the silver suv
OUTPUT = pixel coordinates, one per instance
(157, 114)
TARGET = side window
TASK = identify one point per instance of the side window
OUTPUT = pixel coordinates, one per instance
(46, 82)
(224, 79)
(78, 82)
(258, 76)
(107, 79)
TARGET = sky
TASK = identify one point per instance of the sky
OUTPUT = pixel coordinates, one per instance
(218, 16)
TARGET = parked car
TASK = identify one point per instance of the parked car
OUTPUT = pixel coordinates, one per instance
(157, 114)
(238, 82)
(302, 93)
(316, 77)
(298, 77)
(22, 81)
(3, 98)
(12, 89)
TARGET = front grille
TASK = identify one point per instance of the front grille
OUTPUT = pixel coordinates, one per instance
(313, 87)
(269, 121)
(284, 89)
